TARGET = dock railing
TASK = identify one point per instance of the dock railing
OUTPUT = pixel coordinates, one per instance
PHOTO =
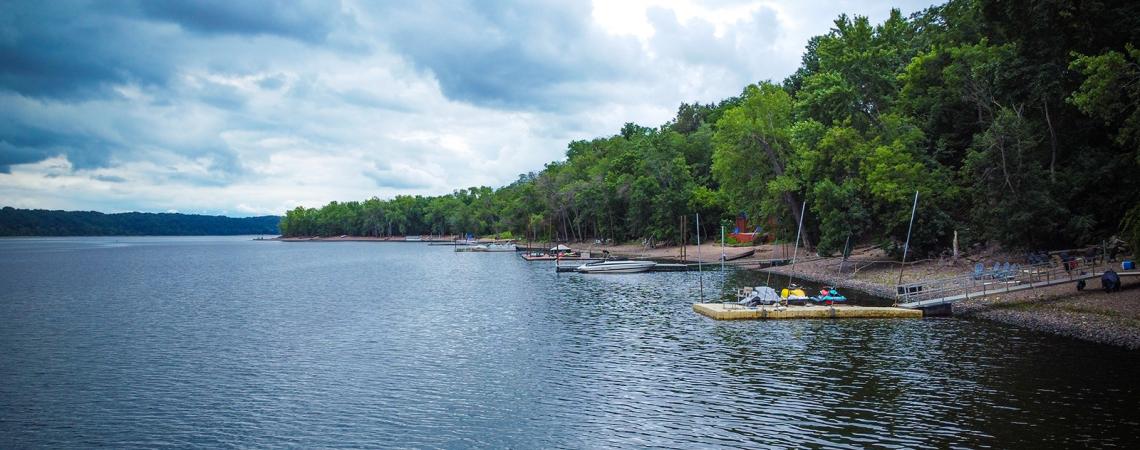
(994, 280)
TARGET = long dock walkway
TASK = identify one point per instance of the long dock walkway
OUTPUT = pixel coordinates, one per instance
(731, 311)
(934, 293)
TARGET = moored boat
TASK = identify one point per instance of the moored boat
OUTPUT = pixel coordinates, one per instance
(616, 266)
(502, 247)
(757, 296)
(508, 246)
(829, 295)
(794, 294)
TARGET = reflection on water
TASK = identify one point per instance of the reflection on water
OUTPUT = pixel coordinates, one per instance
(225, 342)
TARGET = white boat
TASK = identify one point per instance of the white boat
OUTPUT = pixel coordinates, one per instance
(756, 296)
(501, 247)
(611, 266)
(490, 247)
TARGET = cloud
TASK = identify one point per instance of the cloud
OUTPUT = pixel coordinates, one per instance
(402, 176)
(311, 20)
(512, 55)
(29, 141)
(254, 107)
(109, 178)
(52, 50)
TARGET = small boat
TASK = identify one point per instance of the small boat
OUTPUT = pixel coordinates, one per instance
(543, 256)
(508, 246)
(794, 294)
(502, 247)
(616, 266)
(740, 256)
(829, 295)
(756, 296)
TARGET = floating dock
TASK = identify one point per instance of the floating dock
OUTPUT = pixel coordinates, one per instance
(730, 311)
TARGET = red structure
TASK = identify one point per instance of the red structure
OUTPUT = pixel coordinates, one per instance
(742, 232)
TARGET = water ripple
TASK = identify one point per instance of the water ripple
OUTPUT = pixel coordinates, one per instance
(207, 342)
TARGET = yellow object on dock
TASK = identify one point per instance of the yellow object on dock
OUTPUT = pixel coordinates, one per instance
(729, 311)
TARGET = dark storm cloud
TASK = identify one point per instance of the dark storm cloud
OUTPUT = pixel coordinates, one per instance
(507, 55)
(309, 21)
(24, 144)
(66, 50)
(12, 154)
(74, 49)
(77, 51)
(527, 55)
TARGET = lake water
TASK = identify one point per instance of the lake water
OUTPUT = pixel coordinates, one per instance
(217, 342)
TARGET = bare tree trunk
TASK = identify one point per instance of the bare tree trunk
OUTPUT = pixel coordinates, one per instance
(1052, 143)
(565, 227)
(789, 198)
(955, 260)
(1004, 170)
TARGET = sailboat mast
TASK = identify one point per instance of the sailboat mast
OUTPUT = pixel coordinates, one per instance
(908, 228)
(796, 249)
(700, 274)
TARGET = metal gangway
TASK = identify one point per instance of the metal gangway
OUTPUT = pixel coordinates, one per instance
(997, 280)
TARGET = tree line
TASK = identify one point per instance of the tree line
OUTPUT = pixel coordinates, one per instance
(39, 222)
(1017, 122)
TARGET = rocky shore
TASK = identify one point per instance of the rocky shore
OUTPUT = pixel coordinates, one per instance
(1090, 315)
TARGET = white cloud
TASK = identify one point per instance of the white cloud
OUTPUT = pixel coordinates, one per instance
(380, 100)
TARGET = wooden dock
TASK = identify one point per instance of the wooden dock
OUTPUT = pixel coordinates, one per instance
(731, 311)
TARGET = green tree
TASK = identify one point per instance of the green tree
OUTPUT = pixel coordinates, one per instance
(751, 148)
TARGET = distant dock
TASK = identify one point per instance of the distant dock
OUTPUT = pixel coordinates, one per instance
(729, 311)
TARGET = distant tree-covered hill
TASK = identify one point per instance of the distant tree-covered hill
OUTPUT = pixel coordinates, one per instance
(39, 222)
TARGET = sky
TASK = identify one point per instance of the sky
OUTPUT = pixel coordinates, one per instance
(255, 107)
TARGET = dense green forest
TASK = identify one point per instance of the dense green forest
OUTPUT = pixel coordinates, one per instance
(1016, 121)
(39, 222)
